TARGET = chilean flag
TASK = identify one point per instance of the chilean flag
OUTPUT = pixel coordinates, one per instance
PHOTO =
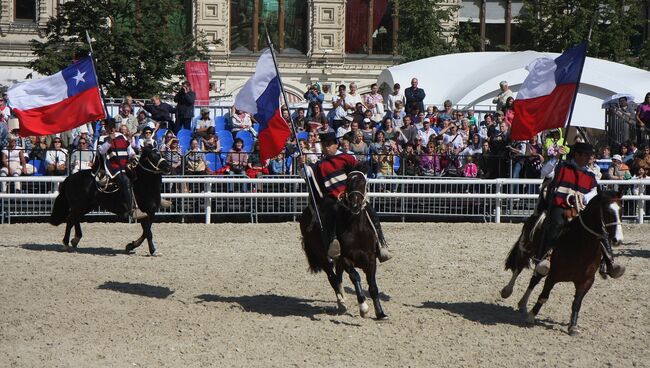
(260, 97)
(57, 103)
(546, 96)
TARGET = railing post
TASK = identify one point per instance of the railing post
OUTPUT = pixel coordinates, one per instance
(497, 210)
(207, 203)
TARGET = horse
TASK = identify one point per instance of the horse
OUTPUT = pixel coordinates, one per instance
(79, 195)
(359, 245)
(576, 258)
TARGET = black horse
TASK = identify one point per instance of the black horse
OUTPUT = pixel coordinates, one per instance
(79, 195)
(577, 256)
(359, 247)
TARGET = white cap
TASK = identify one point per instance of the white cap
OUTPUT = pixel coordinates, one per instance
(503, 83)
(83, 128)
(13, 124)
(426, 120)
(617, 157)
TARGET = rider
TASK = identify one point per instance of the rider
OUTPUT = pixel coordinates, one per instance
(115, 150)
(330, 177)
(572, 187)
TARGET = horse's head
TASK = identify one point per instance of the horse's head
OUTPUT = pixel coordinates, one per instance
(607, 205)
(356, 189)
(151, 160)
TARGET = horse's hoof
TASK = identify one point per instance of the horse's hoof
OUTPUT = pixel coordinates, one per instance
(342, 308)
(67, 248)
(382, 317)
(364, 309)
(523, 309)
(155, 253)
(129, 248)
(75, 242)
(506, 292)
(574, 331)
(530, 319)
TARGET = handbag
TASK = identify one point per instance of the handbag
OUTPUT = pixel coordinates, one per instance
(196, 166)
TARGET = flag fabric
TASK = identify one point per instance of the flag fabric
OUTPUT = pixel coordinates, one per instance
(57, 103)
(545, 98)
(260, 97)
(196, 72)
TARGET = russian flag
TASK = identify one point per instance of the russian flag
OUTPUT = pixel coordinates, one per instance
(260, 97)
(57, 103)
(546, 96)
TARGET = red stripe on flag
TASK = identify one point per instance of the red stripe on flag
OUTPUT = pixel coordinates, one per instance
(61, 116)
(542, 113)
(274, 137)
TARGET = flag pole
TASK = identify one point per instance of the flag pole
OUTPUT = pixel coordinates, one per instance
(92, 61)
(292, 124)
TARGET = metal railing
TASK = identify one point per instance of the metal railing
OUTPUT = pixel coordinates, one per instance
(273, 198)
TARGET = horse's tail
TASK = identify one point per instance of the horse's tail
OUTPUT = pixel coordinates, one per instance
(312, 258)
(61, 207)
(519, 256)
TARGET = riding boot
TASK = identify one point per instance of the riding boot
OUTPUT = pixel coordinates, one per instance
(165, 203)
(136, 213)
(328, 218)
(333, 245)
(384, 252)
(612, 269)
(553, 224)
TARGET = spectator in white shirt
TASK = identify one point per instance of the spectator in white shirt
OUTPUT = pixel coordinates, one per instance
(426, 132)
(397, 95)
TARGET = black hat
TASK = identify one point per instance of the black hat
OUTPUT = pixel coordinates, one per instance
(580, 147)
(327, 137)
(110, 123)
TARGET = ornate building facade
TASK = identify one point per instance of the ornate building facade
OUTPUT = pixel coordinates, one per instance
(325, 41)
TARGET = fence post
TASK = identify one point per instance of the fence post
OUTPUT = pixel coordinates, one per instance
(207, 203)
(497, 210)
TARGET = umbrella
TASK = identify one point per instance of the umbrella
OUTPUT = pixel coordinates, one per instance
(613, 100)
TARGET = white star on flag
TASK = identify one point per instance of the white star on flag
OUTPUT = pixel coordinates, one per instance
(79, 77)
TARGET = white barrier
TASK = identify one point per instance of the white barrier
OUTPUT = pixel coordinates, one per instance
(410, 197)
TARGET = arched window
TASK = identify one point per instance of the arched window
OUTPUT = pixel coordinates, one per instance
(25, 10)
(286, 21)
(369, 26)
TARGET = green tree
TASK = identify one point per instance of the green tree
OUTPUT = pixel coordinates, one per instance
(421, 31)
(139, 45)
(556, 25)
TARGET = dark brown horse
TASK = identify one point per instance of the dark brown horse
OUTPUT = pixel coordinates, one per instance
(78, 195)
(358, 245)
(577, 255)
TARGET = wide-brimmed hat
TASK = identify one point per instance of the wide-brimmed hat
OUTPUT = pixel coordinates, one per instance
(580, 147)
(617, 157)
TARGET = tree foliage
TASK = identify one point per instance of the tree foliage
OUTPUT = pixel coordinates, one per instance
(556, 25)
(139, 45)
(421, 31)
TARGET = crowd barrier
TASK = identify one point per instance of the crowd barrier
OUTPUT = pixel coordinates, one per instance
(282, 198)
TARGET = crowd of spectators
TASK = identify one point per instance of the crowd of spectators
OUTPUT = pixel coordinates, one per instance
(398, 135)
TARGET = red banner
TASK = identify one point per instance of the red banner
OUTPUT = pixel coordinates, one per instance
(196, 72)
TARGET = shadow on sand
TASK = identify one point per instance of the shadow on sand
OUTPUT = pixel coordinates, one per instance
(274, 305)
(83, 250)
(150, 291)
(639, 253)
(486, 313)
(383, 297)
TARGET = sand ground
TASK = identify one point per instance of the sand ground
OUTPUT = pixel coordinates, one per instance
(240, 295)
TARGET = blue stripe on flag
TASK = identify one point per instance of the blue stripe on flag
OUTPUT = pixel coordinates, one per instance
(268, 103)
(569, 63)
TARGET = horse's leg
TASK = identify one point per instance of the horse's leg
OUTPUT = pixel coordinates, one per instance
(66, 237)
(146, 231)
(523, 302)
(543, 297)
(136, 243)
(581, 291)
(507, 290)
(333, 278)
(361, 299)
(338, 288)
(373, 289)
(77, 234)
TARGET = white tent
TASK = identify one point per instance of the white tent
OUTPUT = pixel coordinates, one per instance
(473, 79)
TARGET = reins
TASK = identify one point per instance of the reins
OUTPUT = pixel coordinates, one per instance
(602, 235)
(154, 168)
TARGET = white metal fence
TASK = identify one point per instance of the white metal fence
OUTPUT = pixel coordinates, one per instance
(273, 198)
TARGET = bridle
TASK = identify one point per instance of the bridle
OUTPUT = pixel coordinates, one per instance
(153, 168)
(604, 233)
(344, 197)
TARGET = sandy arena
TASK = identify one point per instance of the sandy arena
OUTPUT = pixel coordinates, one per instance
(240, 295)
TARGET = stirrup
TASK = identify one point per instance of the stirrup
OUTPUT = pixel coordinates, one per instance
(334, 250)
(165, 203)
(384, 254)
(138, 215)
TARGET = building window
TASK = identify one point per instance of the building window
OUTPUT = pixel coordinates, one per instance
(366, 34)
(286, 21)
(25, 10)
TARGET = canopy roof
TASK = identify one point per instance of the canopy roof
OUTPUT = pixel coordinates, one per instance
(473, 79)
